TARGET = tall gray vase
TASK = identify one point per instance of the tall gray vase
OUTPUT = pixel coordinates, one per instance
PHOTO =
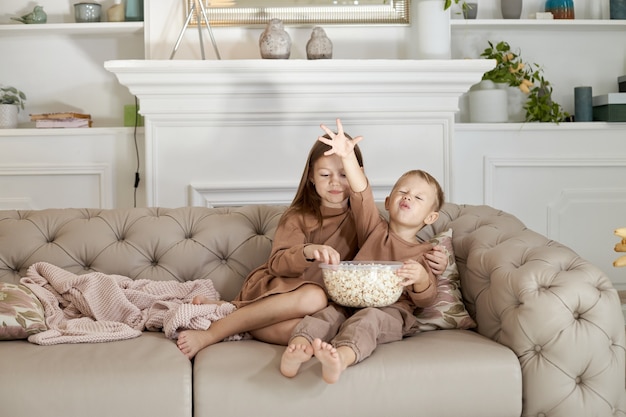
(511, 9)
(617, 9)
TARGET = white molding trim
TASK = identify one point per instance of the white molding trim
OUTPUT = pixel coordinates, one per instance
(101, 171)
(17, 203)
(221, 195)
(151, 163)
(491, 165)
(442, 120)
(614, 196)
(236, 194)
(186, 86)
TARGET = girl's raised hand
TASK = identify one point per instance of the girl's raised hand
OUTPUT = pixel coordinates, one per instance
(339, 142)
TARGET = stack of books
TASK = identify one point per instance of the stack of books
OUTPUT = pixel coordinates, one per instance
(66, 119)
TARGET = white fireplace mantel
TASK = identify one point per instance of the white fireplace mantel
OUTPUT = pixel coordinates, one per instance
(248, 124)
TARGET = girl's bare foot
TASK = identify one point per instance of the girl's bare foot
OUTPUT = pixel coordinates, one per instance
(190, 342)
(332, 367)
(203, 299)
(294, 356)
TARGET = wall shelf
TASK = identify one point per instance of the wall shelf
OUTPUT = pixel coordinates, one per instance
(525, 24)
(540, 127)
(65, 132)
(109, 28)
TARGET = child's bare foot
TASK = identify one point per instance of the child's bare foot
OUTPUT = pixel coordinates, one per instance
(331, 362)
(203, 299)
(294, 356)
(190, 342)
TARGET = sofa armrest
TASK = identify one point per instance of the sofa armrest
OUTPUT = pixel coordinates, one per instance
(559, 314)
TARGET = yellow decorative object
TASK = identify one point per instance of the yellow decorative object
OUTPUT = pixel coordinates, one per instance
(620, 247)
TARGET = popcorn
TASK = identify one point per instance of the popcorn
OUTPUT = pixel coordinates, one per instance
(363, 284)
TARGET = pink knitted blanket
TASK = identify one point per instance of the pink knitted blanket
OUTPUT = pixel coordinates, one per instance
(96, 307)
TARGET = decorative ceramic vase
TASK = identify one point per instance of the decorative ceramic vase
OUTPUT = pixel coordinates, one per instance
(432, 30)
(511, 9)
(617, 9)
(274, 42)
(594, 9)
(488, 104)
(561, 9)
(134, 11)
(8, 116)
(115, 13)
(38, 15)
(583, 104)
(470, 11)
(319, 46)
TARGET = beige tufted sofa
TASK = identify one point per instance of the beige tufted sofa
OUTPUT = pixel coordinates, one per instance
(550, 337)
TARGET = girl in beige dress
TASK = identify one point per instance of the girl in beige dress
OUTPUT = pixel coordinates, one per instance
(317, 227)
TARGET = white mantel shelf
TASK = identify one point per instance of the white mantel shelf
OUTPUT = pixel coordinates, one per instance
(193, 81)
(270, 111)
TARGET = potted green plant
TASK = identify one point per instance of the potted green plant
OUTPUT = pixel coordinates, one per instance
(11, 95)
(11, 102)
(448, 3)
(512, 70)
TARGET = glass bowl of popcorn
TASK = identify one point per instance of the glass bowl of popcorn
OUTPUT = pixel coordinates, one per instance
(362, 283)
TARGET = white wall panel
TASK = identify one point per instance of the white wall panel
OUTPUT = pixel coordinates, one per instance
(567, 182)
(42, 168)
(47, 186)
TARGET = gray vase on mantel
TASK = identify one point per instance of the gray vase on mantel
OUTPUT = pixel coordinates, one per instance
(275, 42)
(511, 9)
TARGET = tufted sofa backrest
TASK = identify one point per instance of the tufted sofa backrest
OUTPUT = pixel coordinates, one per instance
(223, 244)
(475, 230)
(559, 313)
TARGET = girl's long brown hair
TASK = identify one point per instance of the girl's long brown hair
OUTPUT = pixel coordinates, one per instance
(307, 201)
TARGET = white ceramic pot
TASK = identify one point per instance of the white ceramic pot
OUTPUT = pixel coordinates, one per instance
(516, 100)
(488, 104)
(8, 116)
(432, 38)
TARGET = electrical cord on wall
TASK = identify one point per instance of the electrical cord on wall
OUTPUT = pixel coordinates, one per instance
(137, 179)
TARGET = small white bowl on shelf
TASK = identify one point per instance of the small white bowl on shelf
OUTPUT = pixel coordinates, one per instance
(87, 12)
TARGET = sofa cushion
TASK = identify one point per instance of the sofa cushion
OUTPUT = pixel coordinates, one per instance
(144, 376)
(448, 311)
(460, 373)
(21, 313)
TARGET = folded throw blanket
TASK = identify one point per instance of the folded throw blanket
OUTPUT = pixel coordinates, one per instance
(97, 307)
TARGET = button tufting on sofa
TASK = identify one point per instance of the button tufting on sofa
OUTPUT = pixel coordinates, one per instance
(548, 323)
